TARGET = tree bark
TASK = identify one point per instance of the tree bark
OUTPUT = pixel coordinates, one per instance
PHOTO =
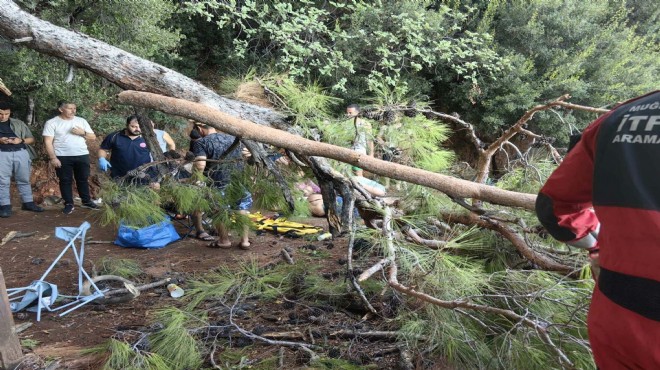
(29, 119)
(543, 261)
(248, 130)
(10, 347)
(118, 66)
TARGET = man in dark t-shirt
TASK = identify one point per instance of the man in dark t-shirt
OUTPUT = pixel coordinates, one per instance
(219, 146)
(128, 150)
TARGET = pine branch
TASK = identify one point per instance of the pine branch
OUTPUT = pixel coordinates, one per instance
(349, 259)
(434, 244)
(539, 328)
(541, 260)
(278, 138)
(486, 152)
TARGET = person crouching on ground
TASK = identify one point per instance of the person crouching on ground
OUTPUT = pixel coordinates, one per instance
(15, 161)
(214, 145)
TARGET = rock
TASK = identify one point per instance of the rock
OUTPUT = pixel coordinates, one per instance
(270, 318)
(334, 352)
(311, 247)
(63, 262)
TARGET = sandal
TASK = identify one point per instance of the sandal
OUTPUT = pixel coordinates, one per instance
(244, 246)
(216, 244)
(204, 236)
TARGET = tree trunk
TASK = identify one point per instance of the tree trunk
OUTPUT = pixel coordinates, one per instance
(10, 347)
(245, 129)
(118, 66)
(29, 119)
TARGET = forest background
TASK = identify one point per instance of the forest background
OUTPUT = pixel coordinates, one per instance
(433, 75)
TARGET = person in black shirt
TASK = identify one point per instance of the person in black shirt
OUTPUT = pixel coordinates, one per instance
(15, 161)
(215, 145)
(128, 151)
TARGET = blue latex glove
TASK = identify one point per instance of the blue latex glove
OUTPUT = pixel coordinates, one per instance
(104, 164)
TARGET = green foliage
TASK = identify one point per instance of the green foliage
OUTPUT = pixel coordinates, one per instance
(305, 101)
(250, 279)
(423, 201)
(121, 355)
(187, 197)
(120, 267)
(174, 342)
(496, 253)
(419, 139)
(213, 286)
(135, 206)
(340, 133)
(598, 58)
(29, 343)
(340, 44)
(237, 358)
(476, 338)
(140, 206)
(527, 177)
(268, 197)
(107, 122)
(325, 363)
(115, 22)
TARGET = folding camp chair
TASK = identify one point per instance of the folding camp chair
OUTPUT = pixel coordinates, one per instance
(44, 293)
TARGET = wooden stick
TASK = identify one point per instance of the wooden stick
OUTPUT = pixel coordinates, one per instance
(10, 347)
(366, 274)
(287, 257)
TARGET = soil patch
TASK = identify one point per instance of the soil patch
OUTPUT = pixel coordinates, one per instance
(26, 259)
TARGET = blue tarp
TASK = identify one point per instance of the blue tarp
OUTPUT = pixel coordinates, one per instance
(152, 236)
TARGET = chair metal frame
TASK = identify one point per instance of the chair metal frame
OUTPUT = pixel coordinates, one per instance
(39, 287)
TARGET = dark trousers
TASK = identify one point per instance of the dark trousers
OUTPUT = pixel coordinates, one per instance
(74, 167)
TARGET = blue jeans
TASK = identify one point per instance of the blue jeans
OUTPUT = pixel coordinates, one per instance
(74, 167)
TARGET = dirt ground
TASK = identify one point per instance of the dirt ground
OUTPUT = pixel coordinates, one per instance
(25, 259)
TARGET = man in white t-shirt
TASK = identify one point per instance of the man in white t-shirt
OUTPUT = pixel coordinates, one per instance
(65, 138)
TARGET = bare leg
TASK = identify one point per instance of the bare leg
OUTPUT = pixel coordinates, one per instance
(197, 221)
(245, 242)
(223, 237)
(200, 233)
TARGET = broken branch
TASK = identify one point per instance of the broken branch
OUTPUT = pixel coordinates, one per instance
(248, 130)
(394, 283)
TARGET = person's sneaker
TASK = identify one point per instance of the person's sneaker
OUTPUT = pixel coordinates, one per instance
(5, 211)
(68, 209)
(30, 206)
(90, 205)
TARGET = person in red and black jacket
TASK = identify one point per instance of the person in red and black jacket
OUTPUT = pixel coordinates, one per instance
(605, 197)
